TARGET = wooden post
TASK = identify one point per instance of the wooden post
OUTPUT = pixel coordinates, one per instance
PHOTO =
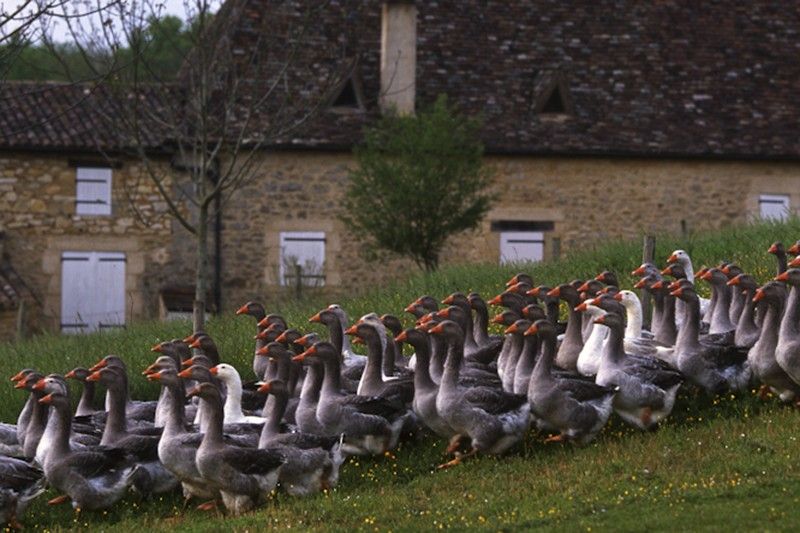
(21, 320)
(556, 249)
(298, 281)
(648, 256)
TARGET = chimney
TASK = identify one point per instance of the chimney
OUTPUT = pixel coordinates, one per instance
(398, 56)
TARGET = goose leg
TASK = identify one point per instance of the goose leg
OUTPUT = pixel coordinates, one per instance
(646, 416)
(458, 459)
(207, 506)
(555, 438)
(763, 392)
(455, 442)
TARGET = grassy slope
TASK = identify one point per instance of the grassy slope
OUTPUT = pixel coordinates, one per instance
(727, 461)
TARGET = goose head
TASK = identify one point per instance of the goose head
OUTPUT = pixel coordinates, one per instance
(205, 391)
(674, 270)
(159, 364)
(644, 269)
(680, 257)
(627, 298)
(320, 351)
(254, 309)
(611, 321)
(79, 373)
(197, 373)
(518, 327)
(607, 277)
(533, 312)
(276, 387)
(226, 373)
(567, 292)
(506, 318)
(791, 276)
(591, 287)
(165, 376)
(776, 248)
(197, 360)
(449, 330)
(392, 323)
(771, 292)
(109, 361)
(542, 328)
(520, 278)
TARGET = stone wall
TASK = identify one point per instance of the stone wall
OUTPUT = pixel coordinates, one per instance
(587, 199)
(37, 206)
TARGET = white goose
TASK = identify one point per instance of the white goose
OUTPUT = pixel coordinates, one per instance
(233, 401)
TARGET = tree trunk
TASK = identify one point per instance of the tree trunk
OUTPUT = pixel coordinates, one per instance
(201, 270)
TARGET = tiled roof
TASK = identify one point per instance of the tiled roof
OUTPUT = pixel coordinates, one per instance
(64, 116)
(660, 78)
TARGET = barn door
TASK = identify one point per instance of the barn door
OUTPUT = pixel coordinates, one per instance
(516, 246)
(92, 291)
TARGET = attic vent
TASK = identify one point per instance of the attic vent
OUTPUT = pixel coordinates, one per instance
(555, 103)
(348, 97)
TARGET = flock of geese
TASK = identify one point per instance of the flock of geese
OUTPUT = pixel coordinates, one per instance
(317, 401)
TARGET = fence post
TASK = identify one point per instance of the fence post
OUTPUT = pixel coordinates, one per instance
(648, 256)
(298, 281)
(21, 320)
(556, 248)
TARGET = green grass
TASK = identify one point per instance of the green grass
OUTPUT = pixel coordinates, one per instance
(727, 462)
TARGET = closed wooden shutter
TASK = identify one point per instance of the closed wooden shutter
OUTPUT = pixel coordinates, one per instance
(93, 191)
(306, 249)
(92, 291)
(774, 206)
(516, 246)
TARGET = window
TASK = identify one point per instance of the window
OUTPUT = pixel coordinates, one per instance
(774, 206)
(92, 291)
(93, 191)
(516, 246)
(306, 250)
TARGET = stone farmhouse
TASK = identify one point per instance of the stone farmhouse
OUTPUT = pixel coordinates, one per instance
(602, 120)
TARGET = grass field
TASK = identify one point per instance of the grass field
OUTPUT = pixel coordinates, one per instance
(727, 462)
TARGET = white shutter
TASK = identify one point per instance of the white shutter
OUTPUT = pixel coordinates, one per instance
(93, 191)
(516, 246)
(92, 291)
(774, 206)
(304, 248)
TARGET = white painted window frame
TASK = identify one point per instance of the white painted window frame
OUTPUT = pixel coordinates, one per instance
(774, 206)
(288, 241)
(93, 191)
(510, 238)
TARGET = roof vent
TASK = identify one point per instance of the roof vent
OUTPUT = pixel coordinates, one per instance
(348, 97)
(551, 96)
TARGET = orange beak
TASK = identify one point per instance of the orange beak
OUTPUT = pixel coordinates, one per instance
(497, 300)
(264, 388)
(674, 285)
(512, 281)
(600, 277)
(20, 384)
(352, 330)
(734, 281)
(358, 340)
(410, 308)
(39, 385)
(657, 285)
(773, 249)
(264, 350)
(672, 258)
(533, 330)
(677, 292)
(185, 374)
(18, 376)
(449, 300)
(795, 262)
(437, 329)
(46, 400)
(195, 344)
(639, 271)
(242, 310)
(759, 295)
(555, 293)
(516, 288)
(783, 276)
(497, 319)
(302, 341)
(100, 364)
(70, 374)
(156, 348)
(704, 274)
(282, 338)
(534, 291)
(154, 376)
(213, 371)
(667, 271)
(189, 339)
(427, 318)
(94, 376)
(584, 287)
(726, 270)
(316, 318)
(600, 320)
(261, 335)
(640, 284)
(150, 369)
(300, 358)
(263, 323)
(444, 313)
(511, 329)
(618, 297)
(794, 249)
(403, 337)
(583, 306)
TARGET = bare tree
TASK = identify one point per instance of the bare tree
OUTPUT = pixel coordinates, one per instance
(229, 102)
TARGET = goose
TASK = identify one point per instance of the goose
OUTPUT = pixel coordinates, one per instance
(637, 341)
(371, 425)
(286, 370)
(306, 469)
(645, 395)
(719, 320)
(787, 351)
(25, 414)
(712, 367)
(516, 344)
(46, 385)
(86, 402)
(608, 278)
(554, 406)
(571, 345)
(306, 412)
(494, 420)
(520, 278)
(93, 479)
(20, 483)
(336, 319)
(682, 258)
(668, 328)
(152, 477)
(511, 300)
(396, 364)
(9, 442)
(483, 354)
(233, 399)
(138, 410)
(777, 249)
(480, 326)
(244, 477)
(257, 311)
(35, 424)
(425, 389)
(551, 305)
(373, 383)
(763, 355)
(177, 447)
(506, 318)
(589, 357)
(203, 344)
(747, 331)
(738, 299)
(471, 372)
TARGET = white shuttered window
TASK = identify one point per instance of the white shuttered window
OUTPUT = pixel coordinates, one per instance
(92, 291)
(518, 246)
(306, 249)
(774, 206)
(93, 191)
